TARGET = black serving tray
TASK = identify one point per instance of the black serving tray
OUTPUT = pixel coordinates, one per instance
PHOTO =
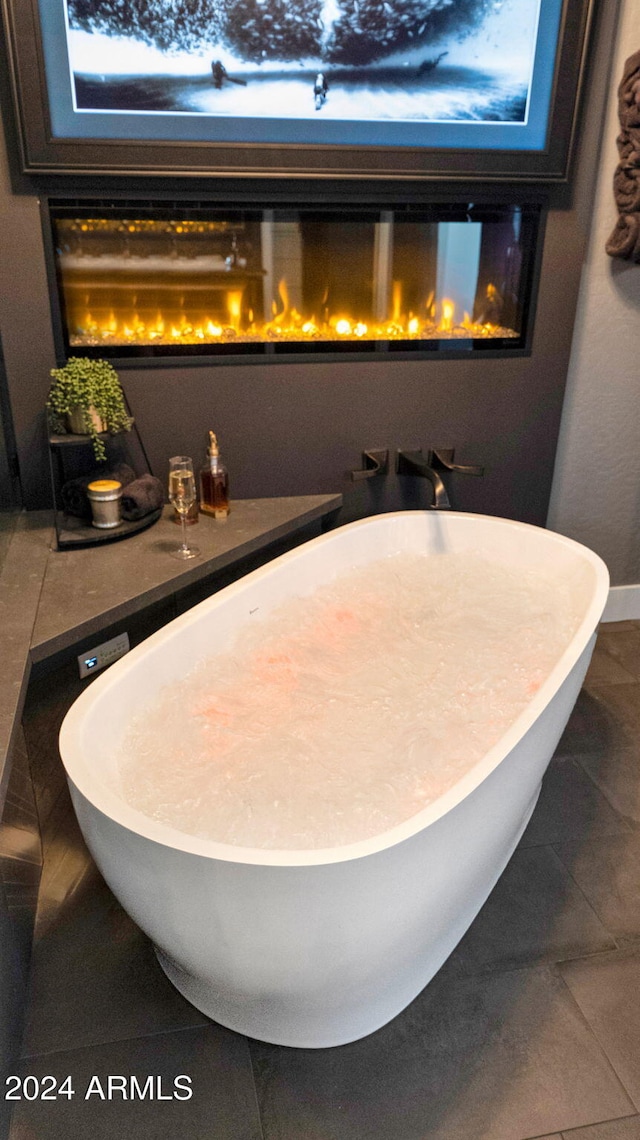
(72, 531)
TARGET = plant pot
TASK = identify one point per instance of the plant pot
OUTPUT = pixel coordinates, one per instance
(76, 420)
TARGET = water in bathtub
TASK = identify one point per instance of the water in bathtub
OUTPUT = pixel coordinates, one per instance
(342, 714)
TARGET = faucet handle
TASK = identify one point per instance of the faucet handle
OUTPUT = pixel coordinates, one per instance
(441, 459)
(373, 463)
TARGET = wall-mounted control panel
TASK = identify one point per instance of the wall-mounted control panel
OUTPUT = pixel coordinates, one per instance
(92, 660)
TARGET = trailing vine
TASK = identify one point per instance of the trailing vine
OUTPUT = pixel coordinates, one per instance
(88, 384)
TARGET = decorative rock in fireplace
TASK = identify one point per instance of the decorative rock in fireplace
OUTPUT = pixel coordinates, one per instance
(157, 278)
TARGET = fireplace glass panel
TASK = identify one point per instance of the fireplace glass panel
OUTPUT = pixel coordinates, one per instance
(145, 280)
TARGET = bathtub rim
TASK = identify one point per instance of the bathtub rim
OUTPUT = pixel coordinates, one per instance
(88, 782)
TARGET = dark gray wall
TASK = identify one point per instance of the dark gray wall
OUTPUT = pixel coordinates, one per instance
(297, 429)
(9, 489)
(300, 429)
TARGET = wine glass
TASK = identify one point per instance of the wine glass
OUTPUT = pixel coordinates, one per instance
(182, 493)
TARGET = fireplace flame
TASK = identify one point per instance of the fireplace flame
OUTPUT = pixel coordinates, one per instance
(280, 317)
(446, 320)
(92, 325)
(396, 302)
(234, 307)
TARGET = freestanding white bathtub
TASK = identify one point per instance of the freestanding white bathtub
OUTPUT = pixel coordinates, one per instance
(316, 948)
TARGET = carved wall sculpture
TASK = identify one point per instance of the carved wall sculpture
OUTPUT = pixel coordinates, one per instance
(624, 240)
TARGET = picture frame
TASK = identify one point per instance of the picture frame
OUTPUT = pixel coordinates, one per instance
(70, 122)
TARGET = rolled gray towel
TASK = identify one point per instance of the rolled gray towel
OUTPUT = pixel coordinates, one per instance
(141, 497)
(75, 500)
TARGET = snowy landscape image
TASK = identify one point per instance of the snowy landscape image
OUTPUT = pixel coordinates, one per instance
(431, 61)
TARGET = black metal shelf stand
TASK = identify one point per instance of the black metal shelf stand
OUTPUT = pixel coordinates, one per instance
(70, 457)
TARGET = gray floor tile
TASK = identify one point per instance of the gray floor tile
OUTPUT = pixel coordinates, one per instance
(95, 978)
(222, 1105)
(617, 774)
(500, 1058)
(626, 1129)
(534, 914)
(605, 718)
(620, 706)
(624, 647)
(606, 668)
(570, 807)
(607, 870)
(20, 843)
(18, 898)
(608, 993)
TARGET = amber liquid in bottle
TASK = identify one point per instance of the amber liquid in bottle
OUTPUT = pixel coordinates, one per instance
(214, 488)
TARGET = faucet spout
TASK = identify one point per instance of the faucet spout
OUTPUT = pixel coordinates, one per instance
(415, 463)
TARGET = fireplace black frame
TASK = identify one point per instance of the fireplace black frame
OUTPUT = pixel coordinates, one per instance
(42, 153)
(534, 214)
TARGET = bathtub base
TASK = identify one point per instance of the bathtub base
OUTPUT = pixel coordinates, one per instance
(310, 1025)
(256, 1020)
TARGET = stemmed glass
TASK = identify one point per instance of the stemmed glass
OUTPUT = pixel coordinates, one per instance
(182, 493)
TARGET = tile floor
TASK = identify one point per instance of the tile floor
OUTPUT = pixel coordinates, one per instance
(531, 1029)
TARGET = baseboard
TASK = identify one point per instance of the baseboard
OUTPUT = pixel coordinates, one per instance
(623, 604)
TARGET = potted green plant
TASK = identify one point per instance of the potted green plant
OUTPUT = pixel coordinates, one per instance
(86, 398)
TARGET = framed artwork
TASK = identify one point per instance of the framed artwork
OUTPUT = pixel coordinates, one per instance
(419, 89)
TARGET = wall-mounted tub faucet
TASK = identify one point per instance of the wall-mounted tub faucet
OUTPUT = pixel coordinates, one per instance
(415, 463)
(429, 467)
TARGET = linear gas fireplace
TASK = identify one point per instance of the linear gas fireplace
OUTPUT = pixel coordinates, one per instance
(173, 279)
